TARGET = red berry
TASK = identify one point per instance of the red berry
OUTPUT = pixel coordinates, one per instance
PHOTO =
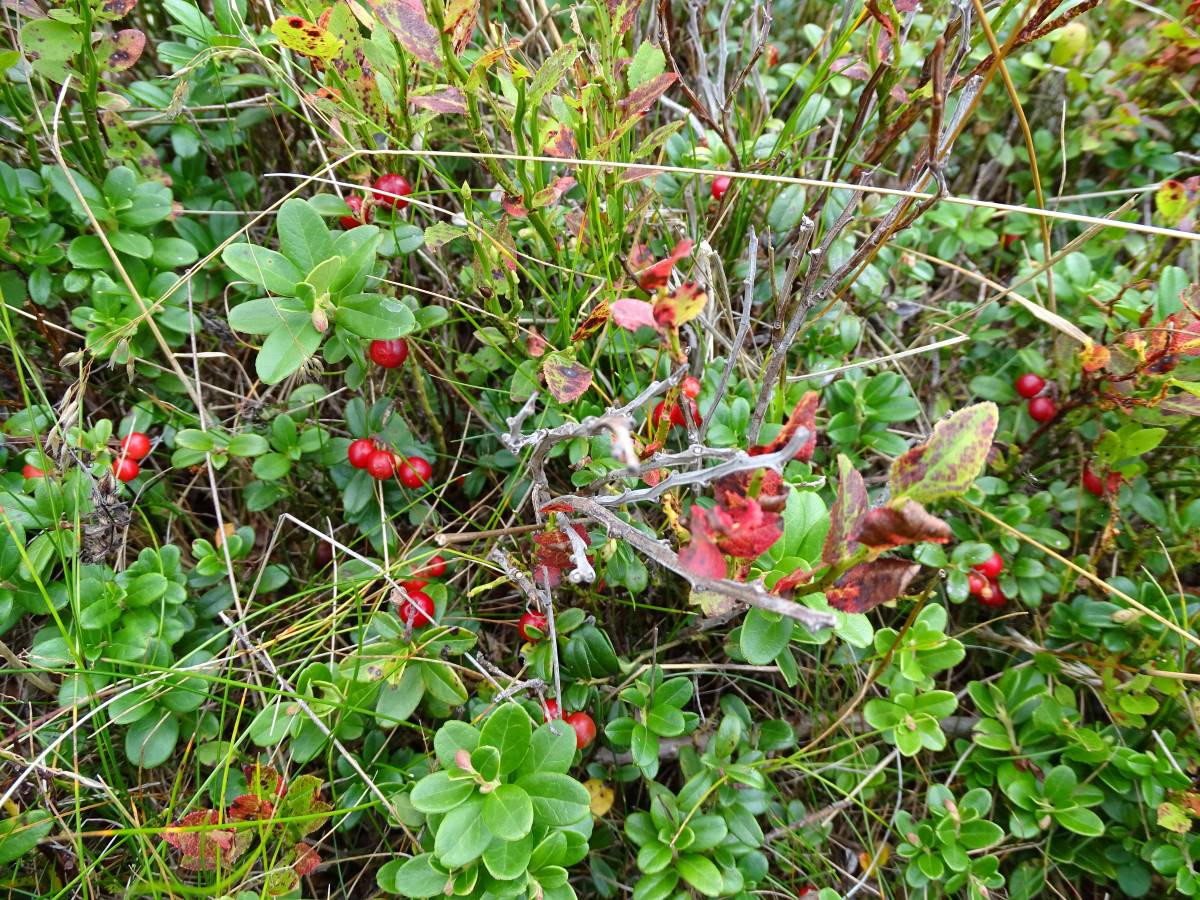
(691, 387)
(359, 215)
(773, 60)
(381, 465)
(1042, 409)
(1092, 482)
(126, 469)
(720, 186)
(532, 620)
(992, 596)
(389, 189)
(585, 728)
(414, 584)
(550, 711)
(28, 471)
(1009, 239)
(359, 452)
(991, 567)
(388, 354)
(415, 472)
(435, 567)
(323, 555)
(417, 610)
(135, 445)
(676, 414)
(1029, 385)
(976, 583)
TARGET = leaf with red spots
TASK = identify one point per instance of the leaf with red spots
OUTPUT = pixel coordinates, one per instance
(560, 143)
(846, 514)
(595, 320)
(804, 415)
(441, 100)
(203, 850)
(701, 557)
(406, 19)
(623, 13)
(550, 195)
(566, 379)
(633, 314)
(641, 98)
(122, 50)
(866, 586)
(306, 38)
(460, 18)
(680, 306)
(949, 462)
(909, 523)
(653, 275)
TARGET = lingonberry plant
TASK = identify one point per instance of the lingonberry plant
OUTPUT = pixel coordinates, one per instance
(656, 449)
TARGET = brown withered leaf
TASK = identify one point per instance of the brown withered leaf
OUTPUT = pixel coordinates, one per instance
(846, 514)
(566, 380)
(406, 19)
(885, 527)
(867, 585)
(595, 320)
(641, 98)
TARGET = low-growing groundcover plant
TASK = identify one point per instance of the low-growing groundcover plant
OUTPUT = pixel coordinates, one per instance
(667, 450)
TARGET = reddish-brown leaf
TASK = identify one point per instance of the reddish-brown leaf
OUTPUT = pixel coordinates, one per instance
(645, 95)
(633, 314)
(117, 9)
(623, 13)
(680, 306)
(804, 415)
(535, 344)
(554, 552)
(248, 807)
(123, 49)
(551, 194)
(204, 850)
(910, 523)
(560, 143)
(595, 320)
(1094, 357)
(566, 380)
(406, 19)
(514, 207)
(846, 514)
(307, 859)
(787, 585)
(866, 586)
(443, 100)
(653, 275)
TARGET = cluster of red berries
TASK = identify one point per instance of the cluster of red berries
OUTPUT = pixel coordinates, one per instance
(1041, 407)
(691, 390)
(1100, 487)
(388, 190)
(381, 463)
(982, 582)
(533, 627)
(417, 610)
(135, 446)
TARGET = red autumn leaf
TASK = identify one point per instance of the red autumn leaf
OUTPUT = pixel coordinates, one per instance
(445, 100)
(633, 314)
(786, 585)
(248, 807)
(560, 143)
(514, 207)
(866, 586)
(406, 19)
(535, 344)
(307, 859)
(593, 323)
(566, 379)
(742, 528)
(804, 415)
(554, 554)
(701, 557)
(846, 514)
(680, 306)
(653, 275)
(886, 527)
(548, 196)
(204, 850)
(624, 13)
(1095, 357)
(641, 98)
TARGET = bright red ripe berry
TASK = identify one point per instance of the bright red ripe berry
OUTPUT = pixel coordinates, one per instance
(126, 469)
(976, 583)
(414, 584)
(585, 728)
(28, 471)
(417, 610)
(359, 452)
(1042, 409)
(1092, 482)
(381, 465)
(1029, 385)
(720, 186)
(388, 185)
(135, 445)
(388, 354)
(359, 215)
(550, 711)
(532, 620)
(691, 387)
(992, 595)
(415, 472)
(435, 567)
(676, 414)
(992, 567)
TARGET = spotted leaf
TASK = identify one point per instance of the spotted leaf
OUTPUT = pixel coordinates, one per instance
(306, 38)
(846, 514)
(406, 19)
(566, 379)
(895, 526)
(867, 585)
(949, 462)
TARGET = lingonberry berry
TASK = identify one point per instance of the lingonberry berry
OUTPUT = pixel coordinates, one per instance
(992, 595)
(992, 566)
(532, 620)
(135, 445)
(126, 469)
(360, 451)
(585, 728)
(691, 387)
(415, 472)
(1029, 385)
(435, 567)
(417, 610)
(28, 471)
(388, 354)
(976, 583)
(414, 584)
(381, 465)
(1092, 482)
(550, 710)
(1042, 409)
(720, 186)
(391, 189)
(360, 215)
